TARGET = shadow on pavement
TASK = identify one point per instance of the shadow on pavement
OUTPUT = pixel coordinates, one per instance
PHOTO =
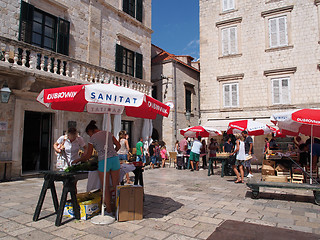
(158, 207)
(230, 230)
(284, 197)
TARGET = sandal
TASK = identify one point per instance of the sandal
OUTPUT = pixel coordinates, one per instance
(239, 181)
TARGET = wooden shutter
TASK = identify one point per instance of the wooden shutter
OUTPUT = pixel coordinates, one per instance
(26, 19)
(285, 91)
(139, 65)
(188, 100)
(226, 94)
(139, 10)
(275, 91)
(63, 36)
(225, 41)
(233, 40)
(119, 58)
(273, 32)
(231, 4)
(125, 6)
(234, 95)
(283, 35)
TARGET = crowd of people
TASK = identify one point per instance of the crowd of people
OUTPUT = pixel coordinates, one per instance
(240, 151)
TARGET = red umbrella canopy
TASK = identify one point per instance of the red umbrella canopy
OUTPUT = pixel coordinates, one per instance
(253, 128)
(200, 131)
(304, 121)
(103, 98)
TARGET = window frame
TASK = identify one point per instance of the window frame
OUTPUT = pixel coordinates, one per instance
(281, 100)
(278, 32)
(276, 14)
(188, 89)
(228, 8)
(230, 95)
(134, 8)
(229, 42)
(27, 31)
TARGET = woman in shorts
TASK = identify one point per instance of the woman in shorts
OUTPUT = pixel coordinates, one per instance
(240, 158)
(98, 141)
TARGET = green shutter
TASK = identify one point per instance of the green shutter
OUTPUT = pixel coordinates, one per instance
(125, 6)
(119, 58)
(63, 36)
(139, 67)
(26, 18)
(139, 10)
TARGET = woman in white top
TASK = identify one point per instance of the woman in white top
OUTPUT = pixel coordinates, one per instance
(123, 151)
(98, 141)
(67, 148)
(240, 158)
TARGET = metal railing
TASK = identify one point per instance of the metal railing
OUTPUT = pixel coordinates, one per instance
(38, 59)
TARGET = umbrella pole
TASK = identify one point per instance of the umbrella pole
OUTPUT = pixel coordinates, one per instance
(311, 154)
(102, 219)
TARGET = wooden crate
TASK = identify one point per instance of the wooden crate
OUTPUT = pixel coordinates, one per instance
(276, 178)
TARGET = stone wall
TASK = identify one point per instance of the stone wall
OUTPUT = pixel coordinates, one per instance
(255, 64)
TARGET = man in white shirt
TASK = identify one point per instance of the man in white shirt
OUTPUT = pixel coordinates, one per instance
(195, 153)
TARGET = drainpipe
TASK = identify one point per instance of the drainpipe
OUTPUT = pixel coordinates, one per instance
(199, 113)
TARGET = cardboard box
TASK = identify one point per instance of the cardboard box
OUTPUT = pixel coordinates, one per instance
(129, 203)
(268, 170)
(90, 205)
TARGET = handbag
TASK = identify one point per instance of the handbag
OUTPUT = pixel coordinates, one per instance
(248, 157)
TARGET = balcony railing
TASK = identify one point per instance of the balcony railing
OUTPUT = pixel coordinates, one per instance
(17, 53)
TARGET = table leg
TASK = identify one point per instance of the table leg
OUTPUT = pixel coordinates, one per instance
(45, 186)
(141, 178)
(223, 163)
(54, 196)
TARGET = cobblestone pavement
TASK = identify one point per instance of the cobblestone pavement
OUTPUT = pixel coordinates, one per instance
(178, 205)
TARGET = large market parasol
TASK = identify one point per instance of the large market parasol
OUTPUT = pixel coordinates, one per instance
(304, 121)
(200, 131)
(254, 128)
(105, 99)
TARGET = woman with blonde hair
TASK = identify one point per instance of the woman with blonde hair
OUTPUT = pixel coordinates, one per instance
(123, 151)
(240, 158)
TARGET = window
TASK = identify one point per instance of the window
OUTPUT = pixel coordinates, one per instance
(43, 29)
(188, 100)
(280, 91)
(230, 95)
(134, 8)
(129, 62)
(278, 35)
(229, 41)
(227, 5)
(154, 92)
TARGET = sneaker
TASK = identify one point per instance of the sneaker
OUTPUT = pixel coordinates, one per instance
(249, 175)
(191, 170)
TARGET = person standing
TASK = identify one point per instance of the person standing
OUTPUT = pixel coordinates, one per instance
(140, 155)
(240, 158)
(67, 148)
(183, 147)
(152, 154)
(163, 153)
(227, 146)
(203, 151)
(123, 151)
(195, 153)
(98, 141)
(248, 145)
(213, 146)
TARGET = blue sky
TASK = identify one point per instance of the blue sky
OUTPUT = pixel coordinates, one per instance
(176, 26)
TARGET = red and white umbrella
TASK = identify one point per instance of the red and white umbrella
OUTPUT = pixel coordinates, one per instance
(97, 98)
(200, 131)
(304, 121)
(106, 99)
(253, 128)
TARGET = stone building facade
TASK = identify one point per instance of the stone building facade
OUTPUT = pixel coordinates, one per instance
(176, 82)
(258, 58)
(54, 43)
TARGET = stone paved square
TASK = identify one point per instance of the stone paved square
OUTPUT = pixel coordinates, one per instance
(179, 204)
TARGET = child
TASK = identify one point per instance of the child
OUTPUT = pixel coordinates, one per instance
(163, 153)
